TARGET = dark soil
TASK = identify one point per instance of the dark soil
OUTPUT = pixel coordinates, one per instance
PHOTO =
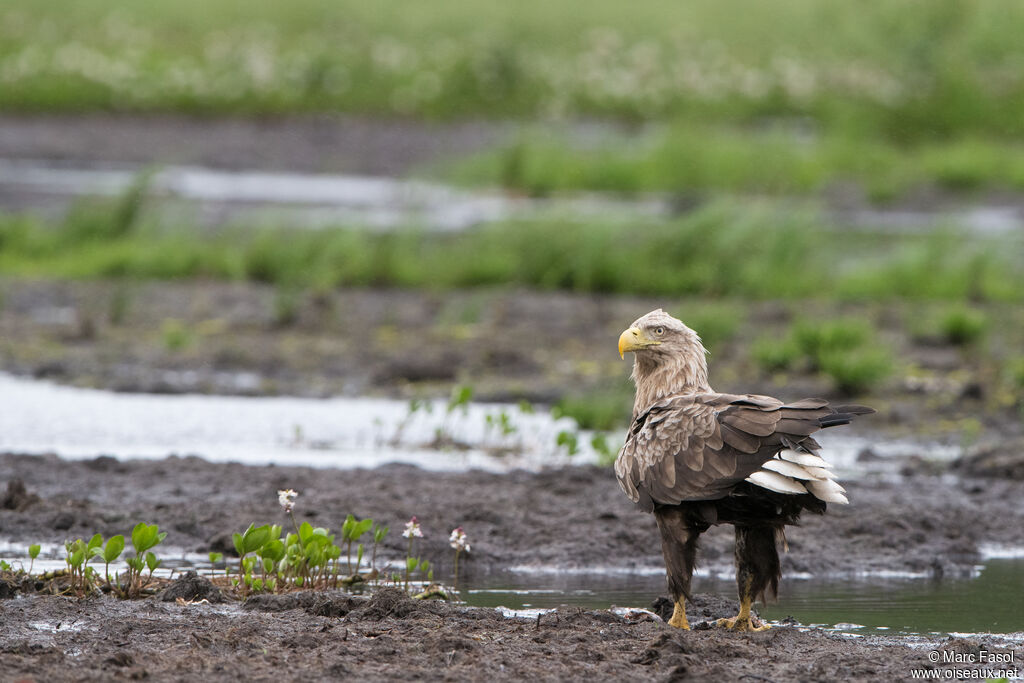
(390, 637)
(572, 517)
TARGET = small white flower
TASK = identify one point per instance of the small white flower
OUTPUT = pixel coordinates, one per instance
(458, 540)
(412, 528)
(286, 499)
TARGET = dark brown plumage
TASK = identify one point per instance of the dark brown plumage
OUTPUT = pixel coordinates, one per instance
(695, 457)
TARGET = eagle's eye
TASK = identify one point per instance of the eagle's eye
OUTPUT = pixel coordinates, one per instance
(659, 331)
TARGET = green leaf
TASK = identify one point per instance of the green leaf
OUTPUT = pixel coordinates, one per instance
(460, 398)
(239, 544)
(424, 566)
(361, 528)
(255, 537)
(33, 550)
(272, 550)
(216, 557)
(305, 531)
(411, 563)
(77, 557)
(95, 542)
(152, 562)
(380, 533)
(359, 554)
(146, 536)
(115, 544)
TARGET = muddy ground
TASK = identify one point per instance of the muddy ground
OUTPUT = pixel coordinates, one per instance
(565, 517)
(391, 637)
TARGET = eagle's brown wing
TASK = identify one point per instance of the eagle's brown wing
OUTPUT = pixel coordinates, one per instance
(699, 446)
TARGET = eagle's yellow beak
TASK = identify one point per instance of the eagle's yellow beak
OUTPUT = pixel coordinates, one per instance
(634, 339)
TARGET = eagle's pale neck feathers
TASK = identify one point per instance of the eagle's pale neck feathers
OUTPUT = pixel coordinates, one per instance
(677, 368)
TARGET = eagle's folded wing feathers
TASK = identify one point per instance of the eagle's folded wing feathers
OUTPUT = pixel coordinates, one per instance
(701, 446)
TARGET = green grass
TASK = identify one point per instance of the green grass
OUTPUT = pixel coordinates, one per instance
(686, 158)
(598, 410)
(844, 349)
(781, 97)
(752, 251)
(897, 68)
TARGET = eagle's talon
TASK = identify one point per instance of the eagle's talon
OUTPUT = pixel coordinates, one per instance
(678, 619)
(741, 623)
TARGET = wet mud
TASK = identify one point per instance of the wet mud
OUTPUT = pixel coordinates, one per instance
(563, 518)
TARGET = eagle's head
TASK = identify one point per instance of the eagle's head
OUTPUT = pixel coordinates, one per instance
(670, 358)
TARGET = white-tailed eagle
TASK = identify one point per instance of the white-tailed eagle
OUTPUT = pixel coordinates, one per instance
(695, 457)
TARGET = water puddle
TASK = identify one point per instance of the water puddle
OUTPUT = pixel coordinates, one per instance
(876, 604)
(993, 602)
(304, 199)
(213, 197)
(44, 417)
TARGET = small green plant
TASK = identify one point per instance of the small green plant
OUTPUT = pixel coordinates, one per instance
(601, 409)
(568, 440)
(460, 398)
(773, 354)
(460, 543)
(606, 454)
(351, 531)
(109, 553)
(79, 552)
(144, 537)
(857, 370)
(412, 531)
(176, 336)
(818, 339)
(963, 326)
(501, 423)
(33, 553)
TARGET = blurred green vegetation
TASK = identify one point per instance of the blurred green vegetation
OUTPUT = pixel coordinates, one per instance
(846, 350)
(783, 97)
(604, 409)
(754, 250)
(687, 158)
(896, 67)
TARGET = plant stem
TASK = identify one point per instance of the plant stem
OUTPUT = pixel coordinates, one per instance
(455, 583)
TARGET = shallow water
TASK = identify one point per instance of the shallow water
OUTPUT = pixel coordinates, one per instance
(216, 197)
(301, 199)
(43, 417)
(993, 602)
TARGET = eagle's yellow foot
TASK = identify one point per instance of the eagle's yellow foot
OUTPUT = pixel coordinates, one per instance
(743, 623)
(679, 616)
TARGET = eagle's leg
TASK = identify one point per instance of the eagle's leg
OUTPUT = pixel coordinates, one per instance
(679, 546)
(757, 571)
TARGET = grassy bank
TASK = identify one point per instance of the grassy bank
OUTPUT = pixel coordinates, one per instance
(756, 251)
(903, 69)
